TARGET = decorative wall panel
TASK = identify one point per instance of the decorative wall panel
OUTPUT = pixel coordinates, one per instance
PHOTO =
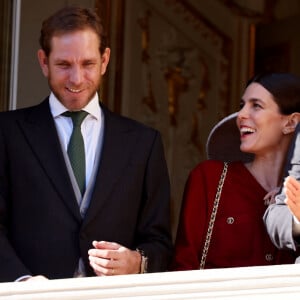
(177, 70)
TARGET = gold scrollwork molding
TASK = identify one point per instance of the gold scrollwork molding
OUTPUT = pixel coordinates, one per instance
(201, 106)
(143, 22)
(218, 41)
(176, 69)
(177, 84)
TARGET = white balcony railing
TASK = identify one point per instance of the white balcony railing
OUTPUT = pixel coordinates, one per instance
(274, 282)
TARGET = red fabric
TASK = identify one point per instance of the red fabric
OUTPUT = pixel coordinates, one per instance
(245, 242)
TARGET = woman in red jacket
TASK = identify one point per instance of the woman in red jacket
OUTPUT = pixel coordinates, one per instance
(263, 128)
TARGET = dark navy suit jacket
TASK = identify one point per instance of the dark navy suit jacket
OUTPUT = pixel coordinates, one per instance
(41, 229)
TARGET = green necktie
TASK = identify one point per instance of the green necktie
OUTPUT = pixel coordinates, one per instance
(76, 148)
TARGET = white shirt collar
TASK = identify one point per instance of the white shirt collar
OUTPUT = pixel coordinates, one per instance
(57, 108)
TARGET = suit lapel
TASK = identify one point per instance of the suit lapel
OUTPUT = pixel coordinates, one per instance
(116, 152)
(40, 132)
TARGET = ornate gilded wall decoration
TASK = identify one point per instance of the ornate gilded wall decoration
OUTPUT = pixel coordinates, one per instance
(173, 58)
(143, 22)
(174, 63)
(201, 106)
(204, 87)
(177, 84)
(214, 37)
(195, 139)
(180, 67)
(145, 40)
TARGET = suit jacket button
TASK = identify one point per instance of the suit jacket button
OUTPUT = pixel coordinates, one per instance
(269, 257)
(230, 220)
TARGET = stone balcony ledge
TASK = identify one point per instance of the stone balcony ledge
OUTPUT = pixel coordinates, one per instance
(272, 282)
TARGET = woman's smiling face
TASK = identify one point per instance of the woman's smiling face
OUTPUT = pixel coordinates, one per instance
(260, 121)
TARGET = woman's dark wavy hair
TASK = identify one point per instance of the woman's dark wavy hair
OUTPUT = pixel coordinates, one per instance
(69, 19)
(285, 88)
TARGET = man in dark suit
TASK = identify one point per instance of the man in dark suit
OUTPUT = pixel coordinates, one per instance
(54, 221)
